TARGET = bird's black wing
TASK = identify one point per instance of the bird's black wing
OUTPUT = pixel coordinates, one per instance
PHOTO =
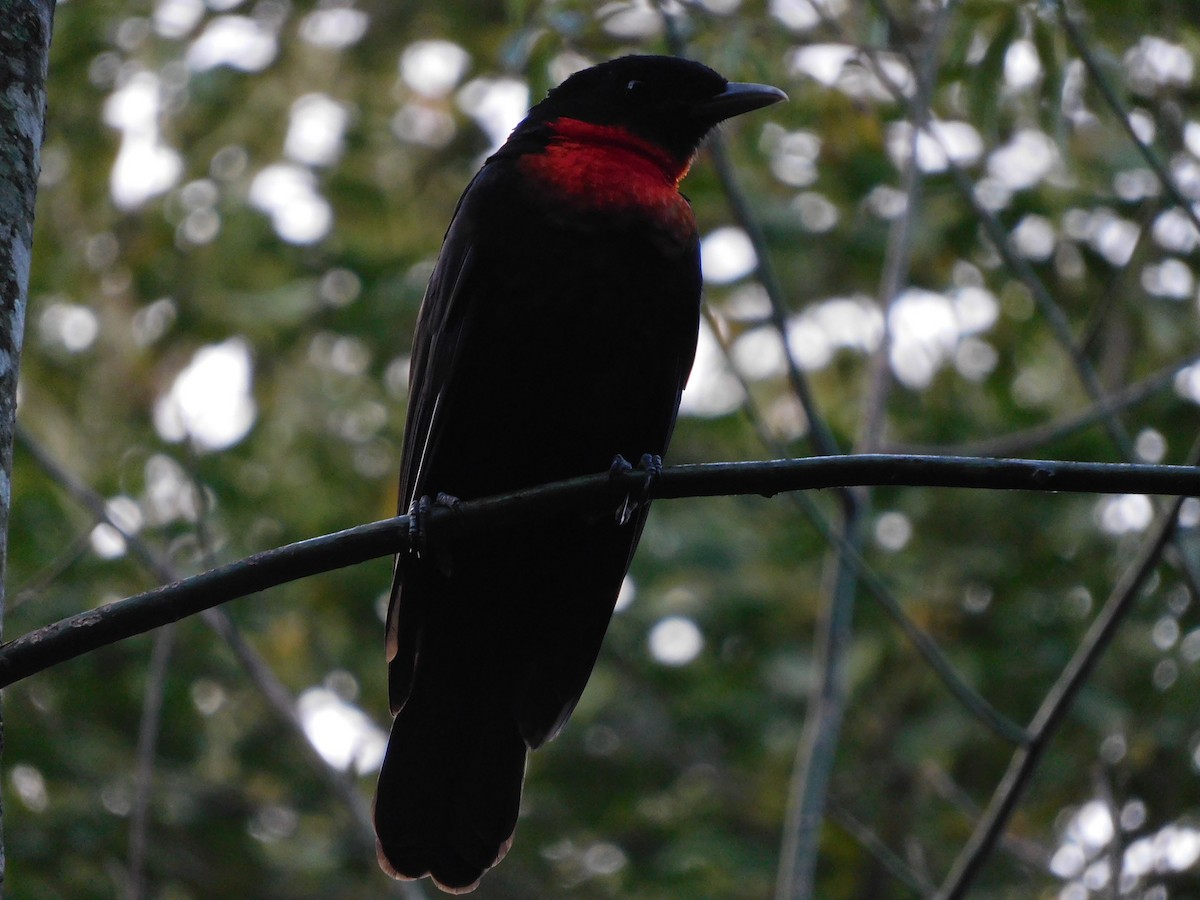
(449, 789)
(441, 333)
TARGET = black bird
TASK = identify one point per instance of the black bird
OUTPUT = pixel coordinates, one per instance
(557, 332)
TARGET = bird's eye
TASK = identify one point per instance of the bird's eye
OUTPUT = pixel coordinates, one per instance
(635, 88)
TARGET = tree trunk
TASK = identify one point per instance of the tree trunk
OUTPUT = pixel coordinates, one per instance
(24, 53)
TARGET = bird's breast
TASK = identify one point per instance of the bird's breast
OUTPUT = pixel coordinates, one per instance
(594, 172)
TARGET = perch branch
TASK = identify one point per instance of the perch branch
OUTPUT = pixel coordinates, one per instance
(93, 628)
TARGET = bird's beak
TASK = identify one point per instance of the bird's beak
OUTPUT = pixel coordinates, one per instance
(737, 98)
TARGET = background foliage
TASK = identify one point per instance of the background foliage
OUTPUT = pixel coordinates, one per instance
(164, 233)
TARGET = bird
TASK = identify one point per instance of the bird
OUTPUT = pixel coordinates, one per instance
(555, 337)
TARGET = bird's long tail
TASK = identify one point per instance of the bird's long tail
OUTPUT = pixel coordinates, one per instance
(450, 788)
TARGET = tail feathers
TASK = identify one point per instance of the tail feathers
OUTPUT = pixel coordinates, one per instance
(448, 795)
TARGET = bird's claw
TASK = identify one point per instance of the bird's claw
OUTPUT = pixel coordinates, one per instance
(449, 501)
(651, 464)
(620, 465)
(418, 520)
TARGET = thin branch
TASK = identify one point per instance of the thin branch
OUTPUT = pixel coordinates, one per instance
(821, 436)
(1041, 435)
(1050, 309)
(1114, 850)
(899, 244)
(280, 699)
(1060, 326)
(149, 727)
(972, 701)
(898, 254)
(1079, 42)
(1117, 287)
(55, 568)
(112, 622)
(1057, 704)
(147, 750)
(1019, 266)
(819, 739)
(896, 867)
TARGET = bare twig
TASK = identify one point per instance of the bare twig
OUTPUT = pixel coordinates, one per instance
(818, 744)
(1114, 851)
(1053, 314)
(898, 255)
(1060, 326)
(1049, 307)
(823, 441)
(927, 647)
(896, 867)
(1117, 287)
(280, 699)
(54, 569)
(148, 728)
(147, 750)
(1040, 435)
(1108, 92)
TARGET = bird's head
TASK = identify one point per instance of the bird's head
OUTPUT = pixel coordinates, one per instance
(669, 102)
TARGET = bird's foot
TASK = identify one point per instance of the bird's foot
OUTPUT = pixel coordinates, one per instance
(418, 520)
(651, 465)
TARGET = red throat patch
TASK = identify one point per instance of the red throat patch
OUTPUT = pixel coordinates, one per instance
(606, 168)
